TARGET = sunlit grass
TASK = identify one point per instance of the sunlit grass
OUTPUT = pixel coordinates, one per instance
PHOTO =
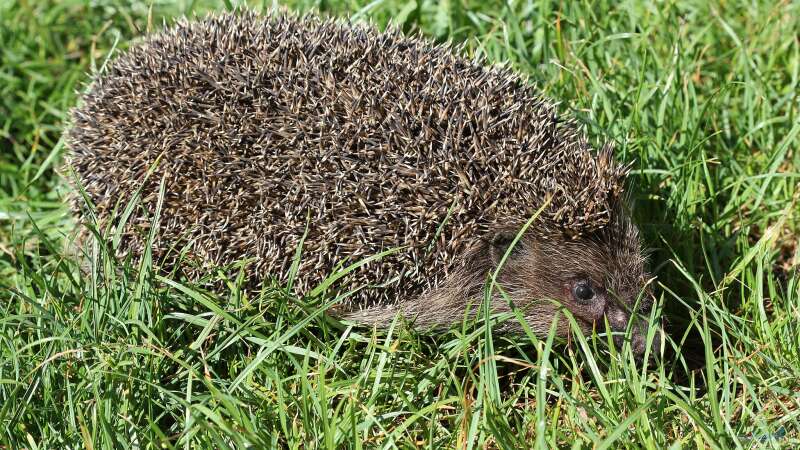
(703, 97)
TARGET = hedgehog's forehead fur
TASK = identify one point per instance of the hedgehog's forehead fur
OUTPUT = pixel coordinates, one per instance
(268, 127)
(609, 257)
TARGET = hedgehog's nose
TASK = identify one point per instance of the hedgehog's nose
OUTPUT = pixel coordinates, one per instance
(638, 340)
(618, 319)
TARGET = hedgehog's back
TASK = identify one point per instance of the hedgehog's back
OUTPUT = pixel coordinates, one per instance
(262, 127)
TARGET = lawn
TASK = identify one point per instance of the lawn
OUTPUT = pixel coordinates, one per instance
(703, 98)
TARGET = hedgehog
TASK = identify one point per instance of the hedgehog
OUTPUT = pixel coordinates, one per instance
(260, 135)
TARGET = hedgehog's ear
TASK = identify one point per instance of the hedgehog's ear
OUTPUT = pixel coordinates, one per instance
(499, 244)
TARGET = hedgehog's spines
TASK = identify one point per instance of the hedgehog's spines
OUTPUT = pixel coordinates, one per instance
(264, 118)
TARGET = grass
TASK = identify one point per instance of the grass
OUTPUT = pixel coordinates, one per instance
(704, 97)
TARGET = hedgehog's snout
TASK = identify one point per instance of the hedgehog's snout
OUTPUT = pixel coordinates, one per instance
(620, 319)
(638, 339)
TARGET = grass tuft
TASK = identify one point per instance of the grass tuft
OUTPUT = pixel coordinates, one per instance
(703, 97)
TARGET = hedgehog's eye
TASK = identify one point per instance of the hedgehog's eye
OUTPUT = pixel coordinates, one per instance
(583, 292)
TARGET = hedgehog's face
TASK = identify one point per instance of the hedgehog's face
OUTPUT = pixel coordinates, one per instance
(597, 278)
